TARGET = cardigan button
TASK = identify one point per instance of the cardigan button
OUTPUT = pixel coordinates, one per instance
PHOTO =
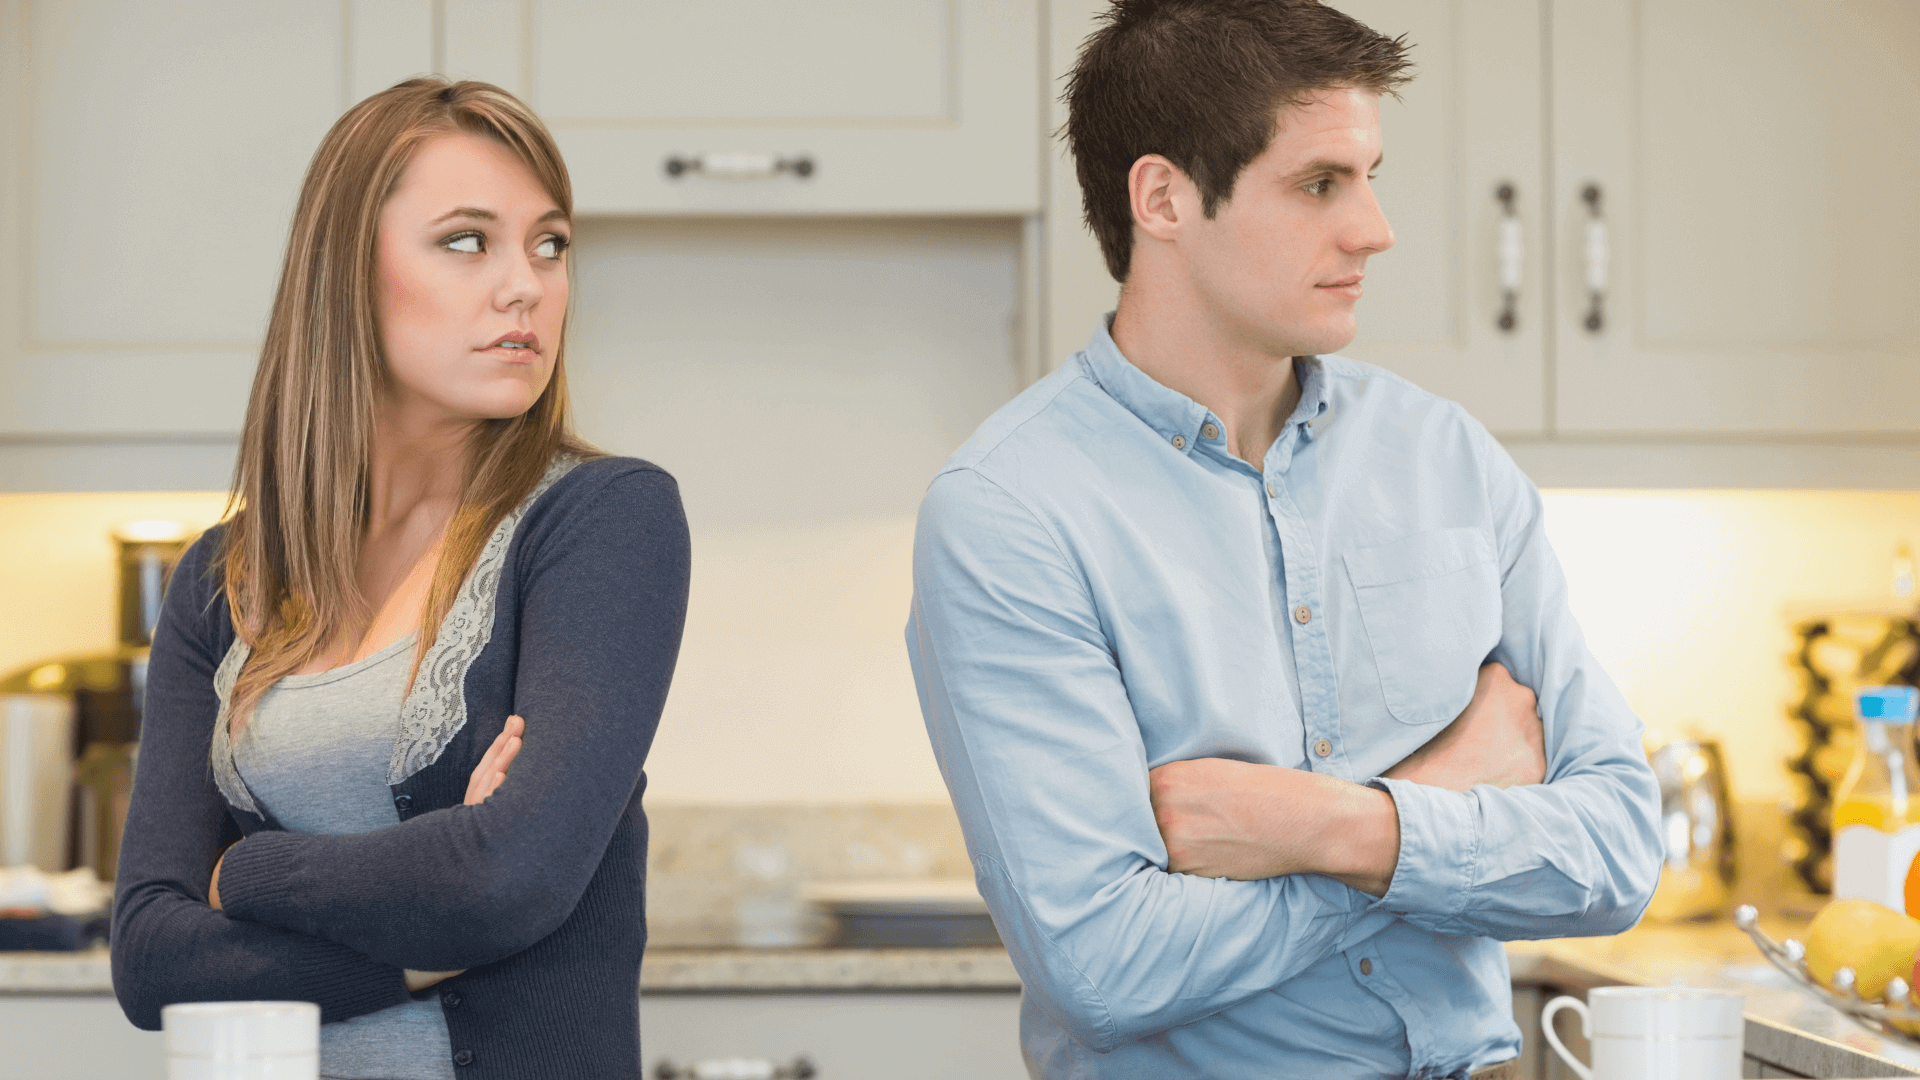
(451, 999)
(463, 1057)
(403, 803)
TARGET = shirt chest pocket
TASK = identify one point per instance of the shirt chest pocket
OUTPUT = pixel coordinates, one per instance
(1430, 604)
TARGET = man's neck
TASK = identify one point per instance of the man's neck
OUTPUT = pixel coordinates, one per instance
(1178, 345)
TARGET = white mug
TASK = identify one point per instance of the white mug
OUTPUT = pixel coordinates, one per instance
(242, 1040)
(1655, 1032)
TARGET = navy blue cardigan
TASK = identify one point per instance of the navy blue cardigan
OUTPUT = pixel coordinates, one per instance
(536, 893)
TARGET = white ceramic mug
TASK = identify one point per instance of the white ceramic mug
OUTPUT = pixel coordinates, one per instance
(242, 1040)
(1655, 1032)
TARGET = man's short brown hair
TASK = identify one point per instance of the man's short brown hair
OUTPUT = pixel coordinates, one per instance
(1202, 83)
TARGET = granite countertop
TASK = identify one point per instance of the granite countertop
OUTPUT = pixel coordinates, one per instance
(663, 970)
(1783, 1025)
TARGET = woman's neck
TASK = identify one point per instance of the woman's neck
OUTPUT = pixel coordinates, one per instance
(416, 471)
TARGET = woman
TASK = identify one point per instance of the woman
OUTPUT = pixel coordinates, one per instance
(423, 555)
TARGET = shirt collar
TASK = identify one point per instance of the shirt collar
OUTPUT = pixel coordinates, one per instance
(1176, 417)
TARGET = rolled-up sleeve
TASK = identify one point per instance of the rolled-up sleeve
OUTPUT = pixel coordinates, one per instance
(1030, 721)
(1577, 855)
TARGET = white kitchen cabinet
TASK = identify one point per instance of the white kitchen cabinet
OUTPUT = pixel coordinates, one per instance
(1755, 162)
(75, 1037)
(926, 1035)
(1466, 127)
(1469, 123)
(894, 106)
(158, 149)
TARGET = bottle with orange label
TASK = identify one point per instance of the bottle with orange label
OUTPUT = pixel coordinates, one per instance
(1876, 814)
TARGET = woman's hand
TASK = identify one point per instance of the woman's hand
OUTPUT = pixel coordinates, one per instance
(420, 980)
(487, 776)
(492, 770)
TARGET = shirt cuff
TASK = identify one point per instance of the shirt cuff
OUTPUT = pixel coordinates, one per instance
(255, 877)
(1439, 850)
(344, 982)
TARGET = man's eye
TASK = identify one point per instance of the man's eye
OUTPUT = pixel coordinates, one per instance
(1319, 187)
(471, 243)
(550, 247)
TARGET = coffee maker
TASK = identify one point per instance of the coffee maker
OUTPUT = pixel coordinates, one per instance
(70, 725)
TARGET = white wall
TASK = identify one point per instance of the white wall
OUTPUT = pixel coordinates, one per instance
(803, 380)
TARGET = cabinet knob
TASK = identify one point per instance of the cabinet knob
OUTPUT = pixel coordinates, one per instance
(738, 165)
(1597, 255)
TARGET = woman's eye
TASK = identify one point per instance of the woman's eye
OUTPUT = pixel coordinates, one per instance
(550, 247)
(467, 242)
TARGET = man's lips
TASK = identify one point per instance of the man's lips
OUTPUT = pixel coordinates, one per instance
(1342, 283)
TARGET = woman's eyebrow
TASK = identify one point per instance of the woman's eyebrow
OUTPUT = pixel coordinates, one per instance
(467, 212)
(478, 213)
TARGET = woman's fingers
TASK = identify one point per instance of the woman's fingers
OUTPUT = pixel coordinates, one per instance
(491, 771)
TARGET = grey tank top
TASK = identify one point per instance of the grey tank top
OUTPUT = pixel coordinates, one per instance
(315, 756)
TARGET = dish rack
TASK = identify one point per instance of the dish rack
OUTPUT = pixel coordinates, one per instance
(1900, 1004)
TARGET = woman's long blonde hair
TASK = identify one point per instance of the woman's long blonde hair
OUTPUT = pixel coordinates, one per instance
(302, 484)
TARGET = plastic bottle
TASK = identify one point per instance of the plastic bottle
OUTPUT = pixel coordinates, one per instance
(1876, 814)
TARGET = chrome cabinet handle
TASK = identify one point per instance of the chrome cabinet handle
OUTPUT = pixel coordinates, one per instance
(1512, 252)
(738, 165)
(800, 1068)
(1596, 320)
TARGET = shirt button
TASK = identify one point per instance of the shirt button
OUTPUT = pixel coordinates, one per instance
(1179, 442)
(451, 999)
(1366, 967)
(403, 802)
(1272, 494)
(463, 1057)
(1323, 748)
(1303, 614)
(1210, 431)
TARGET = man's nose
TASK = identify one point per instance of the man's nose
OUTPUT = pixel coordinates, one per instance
(1368, 233)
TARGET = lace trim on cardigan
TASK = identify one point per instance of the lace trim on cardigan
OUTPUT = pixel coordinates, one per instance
(225, 776)
(436, 708)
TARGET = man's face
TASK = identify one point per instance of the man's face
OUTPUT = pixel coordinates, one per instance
(1279, 265)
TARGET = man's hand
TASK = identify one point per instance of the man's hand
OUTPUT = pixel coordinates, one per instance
(1233, 819)
(1497, 740)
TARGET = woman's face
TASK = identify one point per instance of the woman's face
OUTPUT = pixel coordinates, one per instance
(471, 286)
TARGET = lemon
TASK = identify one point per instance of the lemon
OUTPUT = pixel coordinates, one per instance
(1877, 942)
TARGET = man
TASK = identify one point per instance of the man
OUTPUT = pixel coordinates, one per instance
(1229, 648)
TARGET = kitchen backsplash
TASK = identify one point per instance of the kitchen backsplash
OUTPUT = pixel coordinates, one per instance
(793, 686)
(730, 875)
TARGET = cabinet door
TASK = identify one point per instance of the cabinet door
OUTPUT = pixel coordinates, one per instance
(1468, 125)
(899, 106)
(927, 1035)
(1754, 164)
(159, 148)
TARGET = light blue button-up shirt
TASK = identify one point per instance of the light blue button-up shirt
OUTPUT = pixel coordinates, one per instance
(1101, 588)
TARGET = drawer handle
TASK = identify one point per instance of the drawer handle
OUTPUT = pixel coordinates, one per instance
(800, 1068)
(1512, 252)
(1596, 320)
(738, 165)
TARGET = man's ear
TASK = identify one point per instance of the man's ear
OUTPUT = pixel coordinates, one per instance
(1152, 183)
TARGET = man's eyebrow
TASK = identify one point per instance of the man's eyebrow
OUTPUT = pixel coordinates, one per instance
(483, 214)
(1324, 166)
